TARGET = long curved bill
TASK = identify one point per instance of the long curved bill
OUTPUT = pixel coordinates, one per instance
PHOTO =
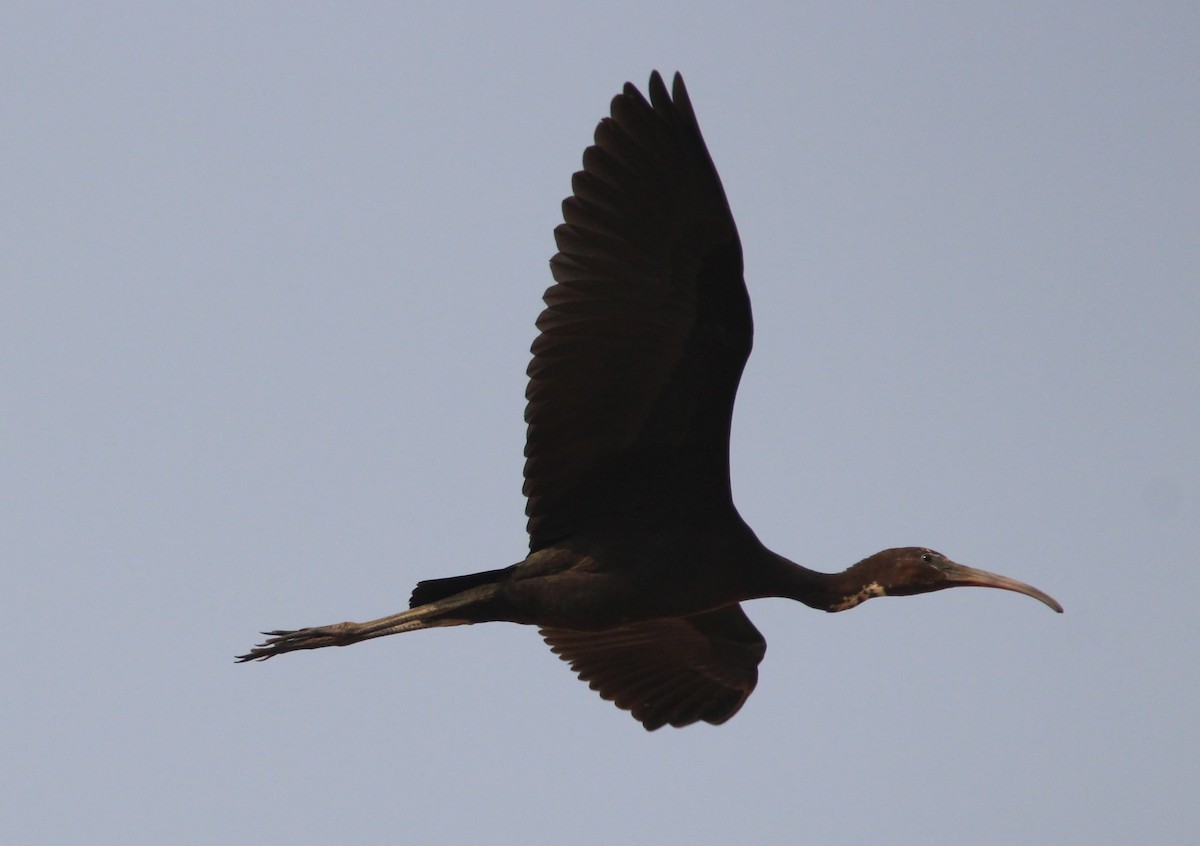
(958, 575)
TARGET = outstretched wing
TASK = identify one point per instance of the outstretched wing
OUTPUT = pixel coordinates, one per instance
(645, 334)
(676, 670)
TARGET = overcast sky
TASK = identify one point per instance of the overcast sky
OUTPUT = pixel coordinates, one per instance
(268, 276)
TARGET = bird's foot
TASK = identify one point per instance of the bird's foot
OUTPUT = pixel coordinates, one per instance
(280, 641)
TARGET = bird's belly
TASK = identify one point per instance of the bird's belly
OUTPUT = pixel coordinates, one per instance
(560, 589)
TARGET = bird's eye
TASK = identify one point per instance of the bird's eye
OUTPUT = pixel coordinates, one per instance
(927, 557)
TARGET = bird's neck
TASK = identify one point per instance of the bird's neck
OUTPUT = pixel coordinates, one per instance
(824, 591)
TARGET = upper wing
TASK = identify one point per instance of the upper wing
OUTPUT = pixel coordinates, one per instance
(675, 670)
(645, 334)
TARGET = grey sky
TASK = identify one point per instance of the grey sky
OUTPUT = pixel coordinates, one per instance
(268, 276)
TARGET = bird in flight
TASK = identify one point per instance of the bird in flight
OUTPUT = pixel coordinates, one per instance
(638, 560)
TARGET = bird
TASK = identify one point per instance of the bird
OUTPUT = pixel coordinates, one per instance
(638, 560)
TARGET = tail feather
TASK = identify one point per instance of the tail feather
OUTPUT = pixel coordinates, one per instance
(431, 590)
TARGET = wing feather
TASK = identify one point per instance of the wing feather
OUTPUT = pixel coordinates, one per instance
(645, 333)
(673, 671)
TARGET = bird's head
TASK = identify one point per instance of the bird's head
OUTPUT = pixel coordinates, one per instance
(913, 569)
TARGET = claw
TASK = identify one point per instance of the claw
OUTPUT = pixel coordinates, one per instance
(280, 641)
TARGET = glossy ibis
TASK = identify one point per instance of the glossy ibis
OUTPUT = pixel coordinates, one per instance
(638, 558)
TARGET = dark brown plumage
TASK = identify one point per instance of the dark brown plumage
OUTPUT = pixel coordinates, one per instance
(638, 559)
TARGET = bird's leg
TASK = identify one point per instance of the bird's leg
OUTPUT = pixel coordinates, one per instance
(451, 611)
(339, 634)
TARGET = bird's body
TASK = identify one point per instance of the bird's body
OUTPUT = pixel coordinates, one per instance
(638, 558)
(596, 581)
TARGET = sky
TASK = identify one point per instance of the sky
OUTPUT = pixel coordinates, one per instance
(268, 277)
